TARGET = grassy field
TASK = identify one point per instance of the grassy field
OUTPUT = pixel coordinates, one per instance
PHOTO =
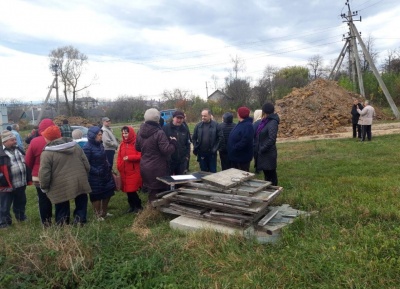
(352, 242)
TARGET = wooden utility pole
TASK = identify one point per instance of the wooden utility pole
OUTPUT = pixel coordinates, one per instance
(351, 44)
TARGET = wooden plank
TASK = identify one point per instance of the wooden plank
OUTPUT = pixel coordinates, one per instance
(228, 178)
(223, 207)
(186, 209)
(160, 202)
(268, 217)
(235, 216)
(230, 201)
(251, 186)
(205, 186)
(220, 195)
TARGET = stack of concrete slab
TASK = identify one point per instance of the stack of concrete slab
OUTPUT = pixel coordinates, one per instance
(229, 201)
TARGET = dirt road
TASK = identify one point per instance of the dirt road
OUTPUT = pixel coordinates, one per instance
(377, 129)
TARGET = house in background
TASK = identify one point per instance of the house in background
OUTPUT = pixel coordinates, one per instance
(218, 95)
(87, 102)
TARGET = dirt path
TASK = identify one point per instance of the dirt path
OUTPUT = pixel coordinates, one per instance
(377, 129)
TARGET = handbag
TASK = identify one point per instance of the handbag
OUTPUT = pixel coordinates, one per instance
(117, 181)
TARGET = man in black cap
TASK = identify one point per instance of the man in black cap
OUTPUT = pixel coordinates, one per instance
(175, 128)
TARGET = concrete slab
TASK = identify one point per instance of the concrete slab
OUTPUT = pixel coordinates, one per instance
(187, 224)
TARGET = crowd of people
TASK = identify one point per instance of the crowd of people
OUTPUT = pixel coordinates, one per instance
(64, 166)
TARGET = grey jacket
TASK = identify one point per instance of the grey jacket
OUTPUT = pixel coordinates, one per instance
(109, 140)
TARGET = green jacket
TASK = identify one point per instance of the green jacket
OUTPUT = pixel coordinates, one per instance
(63, 171)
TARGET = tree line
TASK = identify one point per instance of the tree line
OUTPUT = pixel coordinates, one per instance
(274, 83)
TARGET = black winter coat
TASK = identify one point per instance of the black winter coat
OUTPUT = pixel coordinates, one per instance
(266, 154)
(156, 149)
(354, 114)
(226, 128)
(100, 176)
(216, 137)
(182, 135)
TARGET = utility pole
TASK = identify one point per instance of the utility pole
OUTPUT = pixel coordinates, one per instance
(206, 89)
(54, 84)
(353, 56)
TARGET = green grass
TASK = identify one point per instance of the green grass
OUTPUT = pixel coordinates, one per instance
(351, 241)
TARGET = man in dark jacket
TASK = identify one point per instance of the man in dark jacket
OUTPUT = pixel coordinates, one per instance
(226, 126)
(355, 116)
(175, 128)
(207, 139)
(240, 142)
(13, 179)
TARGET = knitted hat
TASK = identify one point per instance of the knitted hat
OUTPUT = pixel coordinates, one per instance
(6, 135)
(268, 108)
(152, 114)
(51, 133)
(45, 123)
(243, 112)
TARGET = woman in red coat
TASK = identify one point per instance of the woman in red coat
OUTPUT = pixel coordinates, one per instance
(128, 166)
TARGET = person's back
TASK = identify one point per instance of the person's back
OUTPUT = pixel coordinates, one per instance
(156, 149)
(66, 130)
(226, 126)
(77, 136)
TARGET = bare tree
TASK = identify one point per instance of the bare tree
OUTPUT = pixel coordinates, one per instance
(315, 62)
(264, 90)
(392, 62)
(70, 64)
(175, 98)
(214, 78)
(369, 44)
(238, 66)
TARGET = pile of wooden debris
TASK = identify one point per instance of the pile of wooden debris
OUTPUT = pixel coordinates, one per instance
(231, 197)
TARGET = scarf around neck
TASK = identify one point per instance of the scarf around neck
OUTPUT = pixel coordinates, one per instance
(262, 125)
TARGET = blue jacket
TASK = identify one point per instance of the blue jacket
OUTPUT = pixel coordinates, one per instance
(240, 142)
(100, 177)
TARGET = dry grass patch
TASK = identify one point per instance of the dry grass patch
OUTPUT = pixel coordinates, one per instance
(57, 249)
(149, 216)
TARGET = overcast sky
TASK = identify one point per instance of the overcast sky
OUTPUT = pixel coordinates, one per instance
(143, 47)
